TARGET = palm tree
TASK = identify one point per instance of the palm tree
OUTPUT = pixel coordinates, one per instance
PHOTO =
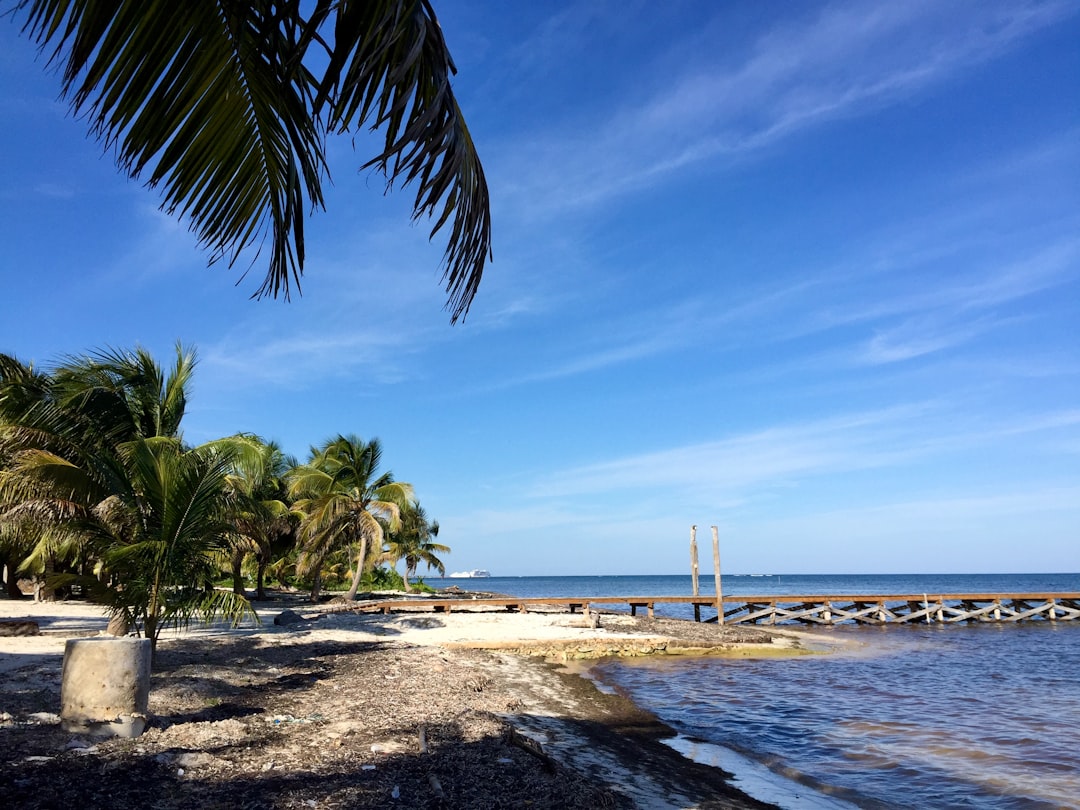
(259, 503)
(96, 464)
(227, 106)
(81, 413)
(20, 386)
(174, 525)
(413, 542)
(344, 497)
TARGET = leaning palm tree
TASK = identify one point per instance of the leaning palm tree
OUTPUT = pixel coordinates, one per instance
(227, 106)
(343, 497)
(413, 542)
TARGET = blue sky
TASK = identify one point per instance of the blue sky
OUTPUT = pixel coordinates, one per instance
(809, 272)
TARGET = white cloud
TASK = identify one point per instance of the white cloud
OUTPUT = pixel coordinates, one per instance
(766, 458)
(846, 61)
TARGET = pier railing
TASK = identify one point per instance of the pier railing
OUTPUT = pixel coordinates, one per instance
(810, 609)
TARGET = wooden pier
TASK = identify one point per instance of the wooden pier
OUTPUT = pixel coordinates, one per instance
(811, 609)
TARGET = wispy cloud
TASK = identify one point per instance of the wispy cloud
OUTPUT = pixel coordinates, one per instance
(934, 297)
(782, 456)
(847, 60)
(769, 457)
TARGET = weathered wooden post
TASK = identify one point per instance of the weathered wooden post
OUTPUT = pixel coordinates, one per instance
(716, 574)
(694, 570)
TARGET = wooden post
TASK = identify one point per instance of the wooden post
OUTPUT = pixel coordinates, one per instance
(694, 570)
(716, 573)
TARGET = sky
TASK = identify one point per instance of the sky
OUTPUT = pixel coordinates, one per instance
(806, 272)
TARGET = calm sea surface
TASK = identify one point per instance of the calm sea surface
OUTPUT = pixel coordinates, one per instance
(981, 716)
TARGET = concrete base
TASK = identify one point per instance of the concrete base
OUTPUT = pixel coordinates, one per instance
(105, 686)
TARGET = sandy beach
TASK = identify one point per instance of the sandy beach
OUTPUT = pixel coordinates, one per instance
(351, 709)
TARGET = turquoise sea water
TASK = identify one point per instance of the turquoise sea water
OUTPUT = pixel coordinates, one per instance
(957, 716)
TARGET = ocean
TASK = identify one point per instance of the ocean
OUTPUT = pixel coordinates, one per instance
(920, 716)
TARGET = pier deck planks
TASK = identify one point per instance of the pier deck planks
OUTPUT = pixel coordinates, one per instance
(816, 609)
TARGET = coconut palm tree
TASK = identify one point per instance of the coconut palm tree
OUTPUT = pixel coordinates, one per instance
(344, 497)
(81, 413)
(96, 464)
(227, 106)
(259, 504)
(167, 531)
(413, 543)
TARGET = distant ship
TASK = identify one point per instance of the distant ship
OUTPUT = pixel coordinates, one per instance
(477, 573)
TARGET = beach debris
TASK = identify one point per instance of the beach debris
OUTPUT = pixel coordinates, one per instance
(395, 793)
(387, 747)
(436, 787)
(43, 718)
(24, 627)
(478, 682)
(530, 746)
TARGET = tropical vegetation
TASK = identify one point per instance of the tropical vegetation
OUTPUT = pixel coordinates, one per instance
(412, 541)
(99, 493)
(227, 108)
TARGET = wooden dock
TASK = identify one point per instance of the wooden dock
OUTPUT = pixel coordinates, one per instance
(811, 609)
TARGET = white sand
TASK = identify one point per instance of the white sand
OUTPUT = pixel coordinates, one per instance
(60, 621)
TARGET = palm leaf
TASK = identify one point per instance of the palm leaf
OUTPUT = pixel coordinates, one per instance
(209, 101)
(216, 103)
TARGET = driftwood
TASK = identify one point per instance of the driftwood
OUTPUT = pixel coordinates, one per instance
(530, 746)
(436, 787)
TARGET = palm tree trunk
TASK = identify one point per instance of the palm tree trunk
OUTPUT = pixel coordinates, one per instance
(316, 586)
(46, 592)
(237, 574)
(260, 577)
(12, 581)
(359, 569)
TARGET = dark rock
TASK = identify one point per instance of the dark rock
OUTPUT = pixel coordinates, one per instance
(287, 617)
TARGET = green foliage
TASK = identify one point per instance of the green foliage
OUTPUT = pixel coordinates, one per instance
(419, 585)
(382, 579)
(98, 490)
(345, 500)
(226, 107)
(413, 541)
(95, 463)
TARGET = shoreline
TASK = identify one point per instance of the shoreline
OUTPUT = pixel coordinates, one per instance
(624, 749)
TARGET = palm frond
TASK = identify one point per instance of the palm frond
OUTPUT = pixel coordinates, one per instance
(390, 66)
(218, 105)
(210, 101)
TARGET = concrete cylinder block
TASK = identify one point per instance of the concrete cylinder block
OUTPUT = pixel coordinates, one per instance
(105, 686)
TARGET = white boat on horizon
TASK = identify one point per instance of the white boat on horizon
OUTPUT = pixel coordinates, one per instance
(476, 573)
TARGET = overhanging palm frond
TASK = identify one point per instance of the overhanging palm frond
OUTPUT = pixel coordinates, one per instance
(210, 101)
(217, 103)
(390, 65)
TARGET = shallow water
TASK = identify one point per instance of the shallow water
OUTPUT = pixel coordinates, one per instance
(954, 716)
(986, 716)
